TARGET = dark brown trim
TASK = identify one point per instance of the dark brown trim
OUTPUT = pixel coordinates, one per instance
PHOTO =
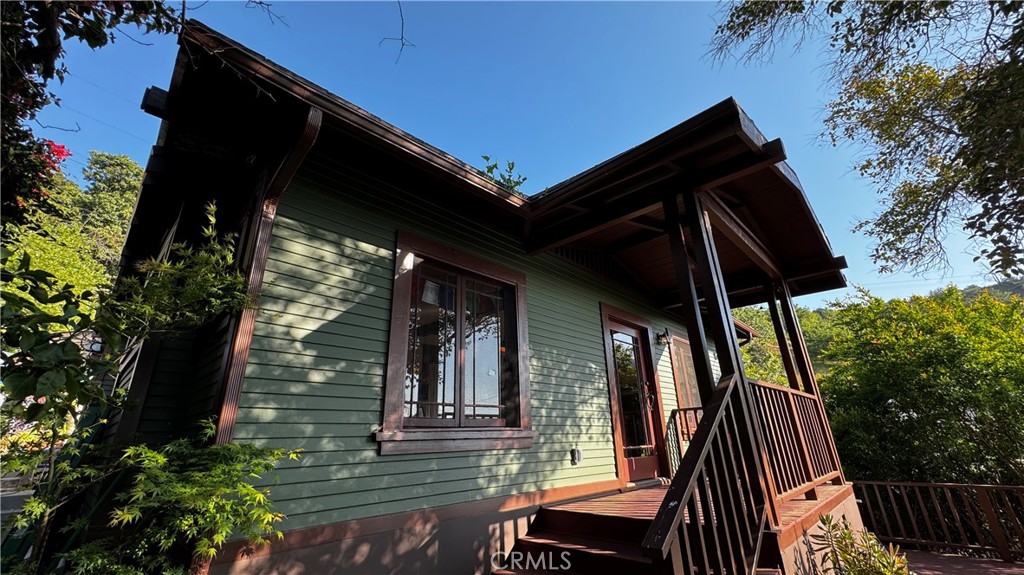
(393, 438)
(730, 226)
(264, 228)
(349, 115)
(449, 255)
(342, 530)
(789, 533)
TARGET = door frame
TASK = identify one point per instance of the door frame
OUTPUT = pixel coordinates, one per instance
(611, 314)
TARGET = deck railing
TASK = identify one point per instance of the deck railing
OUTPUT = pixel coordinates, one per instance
(713, 515)
(984, 519)
(799, 455)
(682, 425)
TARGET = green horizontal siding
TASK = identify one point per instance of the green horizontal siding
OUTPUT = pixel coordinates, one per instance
(315, 376)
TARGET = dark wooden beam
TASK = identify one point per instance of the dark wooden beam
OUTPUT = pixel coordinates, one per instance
(712, 285)
(642, 200)
(730, 226)
(747, 163)
(263, 227)
(635, 240)
(562, 232)
(690, 302)
(154, 102)
(780, 337)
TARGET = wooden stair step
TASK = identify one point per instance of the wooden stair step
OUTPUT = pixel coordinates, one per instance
(608, 527)
(585, 554)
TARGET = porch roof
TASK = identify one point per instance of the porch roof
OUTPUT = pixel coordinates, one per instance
(607, 218)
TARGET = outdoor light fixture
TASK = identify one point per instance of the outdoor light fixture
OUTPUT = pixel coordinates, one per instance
(664, 337)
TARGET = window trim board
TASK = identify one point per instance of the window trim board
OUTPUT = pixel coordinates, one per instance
(392, 437)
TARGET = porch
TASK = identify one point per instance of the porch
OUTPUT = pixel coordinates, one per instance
(604, 534)
(737, 525)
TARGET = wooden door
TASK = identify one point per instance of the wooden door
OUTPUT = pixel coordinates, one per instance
(638, 401)
(686, 386)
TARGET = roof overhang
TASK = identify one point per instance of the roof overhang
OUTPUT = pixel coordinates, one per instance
(236, 110)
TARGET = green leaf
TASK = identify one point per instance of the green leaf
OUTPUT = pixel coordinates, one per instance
(50, 383)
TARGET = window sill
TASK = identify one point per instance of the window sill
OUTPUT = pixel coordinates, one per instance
(450, 440)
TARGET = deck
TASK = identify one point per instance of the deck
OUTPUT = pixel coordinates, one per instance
(923, 563)
(638, 504)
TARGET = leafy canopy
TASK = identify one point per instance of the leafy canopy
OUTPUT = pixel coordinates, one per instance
(932, 90)
(928, 388)
(32, 36)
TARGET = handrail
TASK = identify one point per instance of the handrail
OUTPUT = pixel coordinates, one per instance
(798, 452)
(713, 514)
(986, 519)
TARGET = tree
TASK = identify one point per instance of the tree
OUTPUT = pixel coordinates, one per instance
(932, 90)
(928, 388)
(79, 234)
(106, 206)
(55, 392)
(32, 36)
(762, 359)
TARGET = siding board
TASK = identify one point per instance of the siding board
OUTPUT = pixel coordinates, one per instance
(316, 372)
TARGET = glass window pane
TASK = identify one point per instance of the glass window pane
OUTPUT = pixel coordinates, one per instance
(431, 370)
(486, 351)
(632, 396)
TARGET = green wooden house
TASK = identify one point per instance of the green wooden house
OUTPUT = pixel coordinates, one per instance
(480, 381)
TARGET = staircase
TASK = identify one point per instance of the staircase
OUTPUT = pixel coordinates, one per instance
(593, 536)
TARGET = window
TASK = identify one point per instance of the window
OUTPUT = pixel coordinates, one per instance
(457, 365)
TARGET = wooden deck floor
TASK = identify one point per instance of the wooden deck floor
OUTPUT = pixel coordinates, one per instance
(923, 563)
(796, 509)
(638, 504)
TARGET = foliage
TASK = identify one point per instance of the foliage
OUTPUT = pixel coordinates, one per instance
(762, 359)
(57, 243)
(187, 494)
(928, 388)
(53, 378)
(32, 37)
(106, 205)
(845, 552)
(508, 178)
(42, 350)
(1002, 291)
(183, 291)
(932, 90)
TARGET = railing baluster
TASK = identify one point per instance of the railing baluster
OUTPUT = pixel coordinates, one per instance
(985, 518)
(940, 513)
(881, 508)
(896, 510)
(711, 519)
(969, 510)
(912, 517)
(924, 513)
(867, 511)
(956, 517)
(719, 500)
(1010, 514)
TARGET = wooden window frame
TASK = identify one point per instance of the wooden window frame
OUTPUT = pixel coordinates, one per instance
(394, 437)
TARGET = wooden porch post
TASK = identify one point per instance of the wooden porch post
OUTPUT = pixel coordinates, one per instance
(721, 327)
(796, 338)
(691, 307)
(803, 360)
(780, 337)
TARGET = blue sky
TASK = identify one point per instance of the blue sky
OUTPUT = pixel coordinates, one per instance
(555, 87)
